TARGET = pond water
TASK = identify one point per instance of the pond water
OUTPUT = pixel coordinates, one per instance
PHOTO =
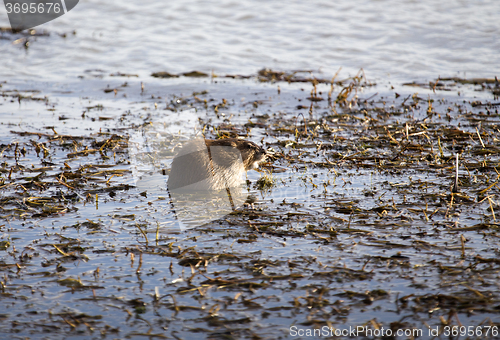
(354, 223)
(389, 39)
(359, 227)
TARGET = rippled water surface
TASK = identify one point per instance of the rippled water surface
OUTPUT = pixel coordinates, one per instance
(406, 40)
(355, 223)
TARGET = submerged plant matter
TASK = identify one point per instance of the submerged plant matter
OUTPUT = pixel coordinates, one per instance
(361, 220)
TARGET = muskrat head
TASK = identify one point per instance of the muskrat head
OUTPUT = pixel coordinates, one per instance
(252, 154)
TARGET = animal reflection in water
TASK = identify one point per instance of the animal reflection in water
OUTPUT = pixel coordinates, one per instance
(206, 178)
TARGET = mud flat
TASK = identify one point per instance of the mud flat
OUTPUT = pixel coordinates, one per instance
(381, 209)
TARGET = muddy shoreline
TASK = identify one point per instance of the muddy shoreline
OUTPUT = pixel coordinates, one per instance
(358, 225)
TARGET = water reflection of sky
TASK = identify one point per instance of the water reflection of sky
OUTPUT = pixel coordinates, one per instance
(405, 40)
(408, 40)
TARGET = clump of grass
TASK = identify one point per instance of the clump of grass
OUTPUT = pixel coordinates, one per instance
(266, 182)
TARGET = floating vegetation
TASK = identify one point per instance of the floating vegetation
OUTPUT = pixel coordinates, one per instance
(379, 210)
(193, 74)
(265, 182)
(26, 38)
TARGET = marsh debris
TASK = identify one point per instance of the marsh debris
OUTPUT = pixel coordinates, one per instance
(364, 218)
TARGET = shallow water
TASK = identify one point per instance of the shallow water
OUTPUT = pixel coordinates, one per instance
(391, 40)
(360, 232)
(359, 227)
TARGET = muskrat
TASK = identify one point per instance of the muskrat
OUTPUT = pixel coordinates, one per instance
(207, 164)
